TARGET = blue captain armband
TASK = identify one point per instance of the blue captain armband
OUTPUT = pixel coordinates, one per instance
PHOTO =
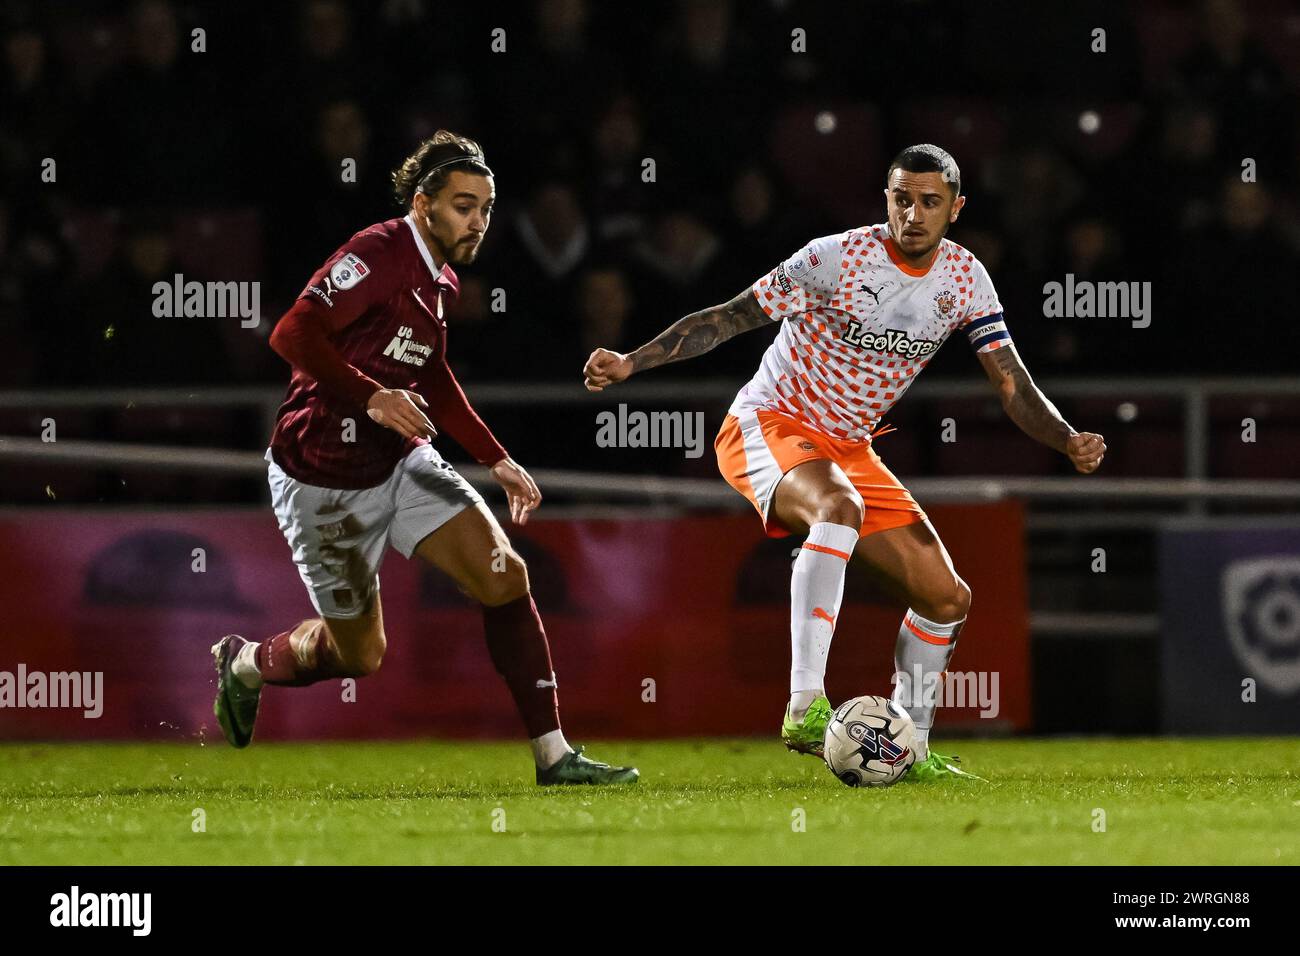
(988, 332)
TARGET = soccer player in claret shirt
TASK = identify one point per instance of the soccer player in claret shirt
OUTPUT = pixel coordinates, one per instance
(352, 470)
(861, 314)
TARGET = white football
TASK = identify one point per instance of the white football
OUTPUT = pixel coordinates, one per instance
(869, 742)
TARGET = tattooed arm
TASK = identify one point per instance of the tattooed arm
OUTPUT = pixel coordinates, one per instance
(1037, 417)
(686, 338)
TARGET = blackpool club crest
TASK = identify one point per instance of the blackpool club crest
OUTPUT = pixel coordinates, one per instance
(946, 302)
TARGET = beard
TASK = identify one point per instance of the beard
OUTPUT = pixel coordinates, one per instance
(924, 250)
(463, 253)
(930, 244)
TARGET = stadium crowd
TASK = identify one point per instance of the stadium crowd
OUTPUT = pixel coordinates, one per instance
(226, 163)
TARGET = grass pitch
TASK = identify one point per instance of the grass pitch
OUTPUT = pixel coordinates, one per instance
(1229, 801)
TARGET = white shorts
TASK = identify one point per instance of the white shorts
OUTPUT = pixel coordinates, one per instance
(338, 536)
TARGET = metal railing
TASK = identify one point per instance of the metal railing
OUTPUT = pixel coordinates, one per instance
(699, 492)
(1194, 394)
(1163, 499)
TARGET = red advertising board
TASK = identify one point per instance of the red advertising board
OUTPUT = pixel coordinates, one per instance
(658, 627)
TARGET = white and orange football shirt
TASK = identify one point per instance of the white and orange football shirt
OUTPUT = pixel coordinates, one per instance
(859, 325)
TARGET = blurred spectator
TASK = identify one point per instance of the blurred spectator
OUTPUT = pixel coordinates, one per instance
(1230, 69)
(701, 72)
(1092, 251)
(760, 228)
(34, 272)
(604, 307)
(1036, 187)
(155, 120)
(334, 188)
(552, 237)
(546, 87)
(1231, 277)
(619, 199)
(119, 340)
(1189, 164)
(326, 64)
(674, 265)
(582, 247)
(36, 106)
(474, 333)
(534, 256)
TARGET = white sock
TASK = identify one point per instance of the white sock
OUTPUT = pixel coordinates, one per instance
(920, 657)
(549, 748)
(921, 744)
(801, 700)
(816, 588)
(244, 666)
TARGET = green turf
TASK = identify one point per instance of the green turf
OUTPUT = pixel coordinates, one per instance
(1166, 801)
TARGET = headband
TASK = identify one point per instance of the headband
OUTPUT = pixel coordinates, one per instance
(447, 154)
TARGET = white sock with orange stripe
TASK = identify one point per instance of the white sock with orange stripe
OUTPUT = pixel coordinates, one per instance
(920, 658)
(816, 588)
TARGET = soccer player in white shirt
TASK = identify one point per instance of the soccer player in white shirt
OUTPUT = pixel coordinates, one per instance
(861, 313)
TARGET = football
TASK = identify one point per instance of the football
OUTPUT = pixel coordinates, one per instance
(869, 742)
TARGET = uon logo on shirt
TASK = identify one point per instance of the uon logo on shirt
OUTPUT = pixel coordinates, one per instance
(405, 349)
(348, 271)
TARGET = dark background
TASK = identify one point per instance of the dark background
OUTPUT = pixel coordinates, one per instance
(226, 164)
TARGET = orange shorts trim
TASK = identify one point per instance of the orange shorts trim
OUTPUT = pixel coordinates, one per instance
(756, 449)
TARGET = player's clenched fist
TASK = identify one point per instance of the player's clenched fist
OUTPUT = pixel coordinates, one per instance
(1085, 450)
(398, 409)
(605, 368)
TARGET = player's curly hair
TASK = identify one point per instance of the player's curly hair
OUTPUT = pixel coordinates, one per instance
(426, 170)
(927, 158)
